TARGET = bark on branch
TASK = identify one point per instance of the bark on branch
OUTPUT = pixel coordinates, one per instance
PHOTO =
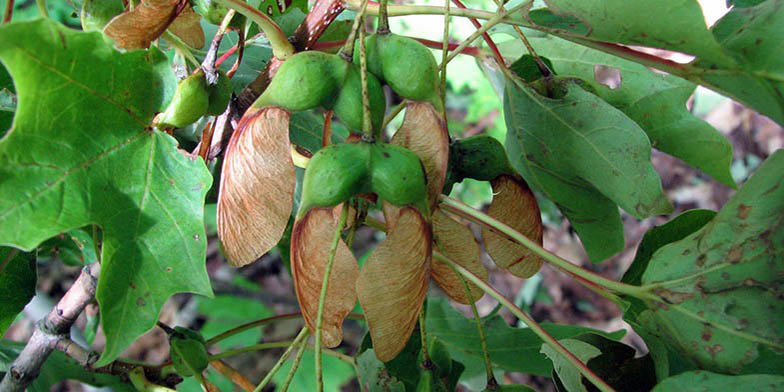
(51, 331)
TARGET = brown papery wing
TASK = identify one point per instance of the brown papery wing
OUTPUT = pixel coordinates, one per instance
(424, 132)
(393, 283)
(456, 242)
(187, 27)
(257, 186)
(311, 239)
(515, 205)
(137, 28)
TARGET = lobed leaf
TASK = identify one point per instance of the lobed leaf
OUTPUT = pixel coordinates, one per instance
(311, 239)
(457, 242)
(61, 169)
(515, 205)
(257, 186)
(393, 283)
(723, 283)
(700, 380)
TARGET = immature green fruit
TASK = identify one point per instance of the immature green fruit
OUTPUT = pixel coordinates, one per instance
(305, 81)
(214, 13)
(188, 351)
(220, 94)
(334, 174)
(405, 64)
(397, 176)
(348, 106)
(95, 14)
(480, 157)
(191, 101)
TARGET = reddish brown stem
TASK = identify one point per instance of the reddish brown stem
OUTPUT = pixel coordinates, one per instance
(326, 133)
(470, 50)
(241, 45)
(9, 11)
(486, 36)
(317, 20)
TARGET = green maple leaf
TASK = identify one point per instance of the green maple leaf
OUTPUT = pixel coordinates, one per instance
(80, 152)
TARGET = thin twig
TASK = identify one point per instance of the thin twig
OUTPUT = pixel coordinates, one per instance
(294, 366)
(9, 11)
(50, 330)
(303, 334)
(323, 295)
(232, 374)
(490, 43)
(250, 349)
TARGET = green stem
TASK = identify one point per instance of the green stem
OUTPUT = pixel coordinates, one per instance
(294, 367)
(383, 18)
(392, 114)
(496, 19)
(367, 126)
(423, 337)
(281, 47)
(303, 333)
(248, 349)
(484, 219)
(533, 325)
(42, 8)
(347, 51)
(323, 295)
(252, 324)
(480, 330)
(142, 384)
(445, 53)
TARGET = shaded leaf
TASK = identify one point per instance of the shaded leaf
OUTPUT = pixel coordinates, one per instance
(7, 101)
(655, 101)
(575, 149)
(75, 247)
(373, 376)
(136, 28)
(392, 284)
(568, 374)
(338, 373)
(17, 284)
(510, 348)
(256, 187)
(700, 380)
(108, 169)
(311, 239)
(187, 27)
(225, 312)
(424, 132)
(515, 205)
(674, 230)
(457, 242)
(723, 283)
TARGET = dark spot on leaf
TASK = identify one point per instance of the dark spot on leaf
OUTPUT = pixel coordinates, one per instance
(386, 154)
(743, 211)
(715, 349)
(757, 41)
(725, 275)
(132, 286)
(707, 334)
(168, 269)
(171, 181)
(701, 260)
(140, 301)
(735, 254)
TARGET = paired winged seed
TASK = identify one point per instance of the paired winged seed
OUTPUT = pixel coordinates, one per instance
(311, 239)
(137, 28)
(257, 186)
(424, 132)
(456, 241)
(393, 282)
(515, 205)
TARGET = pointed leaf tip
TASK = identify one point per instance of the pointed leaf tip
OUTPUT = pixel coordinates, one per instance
(257, 186)
(392, 284)
(310, 242)
(515, 205)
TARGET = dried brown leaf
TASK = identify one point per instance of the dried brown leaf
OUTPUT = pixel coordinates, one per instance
(424, 132)
(187, 26)
(456, 242)
(392, 284)
(311, 239)
(515, 205)
(137, 28)
(257, 186)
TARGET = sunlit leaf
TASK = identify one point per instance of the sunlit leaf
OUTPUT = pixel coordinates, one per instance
(257, 186)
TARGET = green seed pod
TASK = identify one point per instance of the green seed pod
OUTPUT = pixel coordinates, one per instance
(305, 81)
(220, 94)
(348, 105)
(480, 157)
(95, 14)
(191, 101)
(440, 357)
(214, 13)
(397, 176)
(405, 64)
(334, 174)
(188, 351)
